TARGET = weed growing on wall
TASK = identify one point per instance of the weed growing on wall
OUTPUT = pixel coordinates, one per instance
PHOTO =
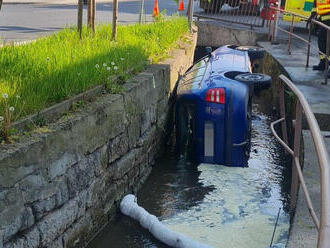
(7, 117)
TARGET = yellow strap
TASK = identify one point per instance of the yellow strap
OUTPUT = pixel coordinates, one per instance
(325, 18)
(325, 6)
(323, 12)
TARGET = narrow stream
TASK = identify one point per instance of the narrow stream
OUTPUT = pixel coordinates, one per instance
(213, 204)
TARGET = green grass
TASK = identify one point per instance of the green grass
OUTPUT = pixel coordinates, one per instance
(59, 66)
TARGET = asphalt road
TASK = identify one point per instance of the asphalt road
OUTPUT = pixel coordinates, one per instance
(25, 20)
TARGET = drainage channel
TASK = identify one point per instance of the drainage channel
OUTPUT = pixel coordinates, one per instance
(213, 204)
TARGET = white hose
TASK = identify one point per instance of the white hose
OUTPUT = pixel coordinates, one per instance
(129, 207)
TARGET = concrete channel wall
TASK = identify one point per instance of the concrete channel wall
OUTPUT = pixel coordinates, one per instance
(215, 34)
(60, 184)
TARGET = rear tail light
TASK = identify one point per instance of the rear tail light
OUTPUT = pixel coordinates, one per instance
(216, 95)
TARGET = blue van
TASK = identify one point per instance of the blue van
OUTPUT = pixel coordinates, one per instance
(214, 104)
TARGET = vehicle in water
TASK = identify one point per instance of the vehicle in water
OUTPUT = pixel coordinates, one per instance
(213, 107)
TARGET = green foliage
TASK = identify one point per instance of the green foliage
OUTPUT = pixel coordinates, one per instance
(59, 66)
(161, 17)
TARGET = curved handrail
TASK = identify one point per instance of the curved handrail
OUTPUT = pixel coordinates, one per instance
(323, 225)
(300, 16)
(276, 27)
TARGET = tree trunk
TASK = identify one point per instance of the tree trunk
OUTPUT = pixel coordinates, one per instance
(0, 4)
(80, 16)
(114, 19)
(93, 15)
(89, 13)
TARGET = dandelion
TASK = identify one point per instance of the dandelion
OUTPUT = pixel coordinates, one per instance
(1, 118)
(104, 64)
(121, 59)
(115, 68)
(108, 68)
(11, 109)
(4, 95)
(112, 63)
(97, 66)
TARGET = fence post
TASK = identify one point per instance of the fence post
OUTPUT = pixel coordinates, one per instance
(114, 20)
(327, 58)
(296, 153)
(276, 21)
(80, 16)
(141, 11)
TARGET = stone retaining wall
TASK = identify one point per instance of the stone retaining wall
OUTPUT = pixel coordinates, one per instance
(61, 184)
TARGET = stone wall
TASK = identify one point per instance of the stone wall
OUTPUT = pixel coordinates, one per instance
(60, 184)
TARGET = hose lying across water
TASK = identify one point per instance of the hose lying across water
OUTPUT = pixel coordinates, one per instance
(129, 207)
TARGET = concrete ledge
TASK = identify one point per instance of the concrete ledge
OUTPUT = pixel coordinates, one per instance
(303, 233)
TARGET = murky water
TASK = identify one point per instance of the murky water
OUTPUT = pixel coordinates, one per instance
(216, 205)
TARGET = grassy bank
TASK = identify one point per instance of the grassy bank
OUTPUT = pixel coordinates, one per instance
(52, 69)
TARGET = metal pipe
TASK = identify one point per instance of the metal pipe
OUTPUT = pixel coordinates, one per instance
(309, 44)
(296, 152)
(326, 71)
(301, 16)
(278, 137)
(141, 11)
(277, 20)
(282, 113)
(305, 190)
(294, 35)
(324, 165)
(290, 36)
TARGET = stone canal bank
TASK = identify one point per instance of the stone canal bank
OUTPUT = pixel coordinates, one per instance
(61, 184)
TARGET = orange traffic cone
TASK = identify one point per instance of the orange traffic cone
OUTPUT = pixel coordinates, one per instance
(155, 11)
(181, 7)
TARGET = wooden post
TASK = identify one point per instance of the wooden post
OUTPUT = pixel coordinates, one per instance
(80, 16)
(114, 20)
(93, 15)
(141, 16)
(89, 13)
(190, 14)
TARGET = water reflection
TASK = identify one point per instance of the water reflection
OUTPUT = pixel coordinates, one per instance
(216, 205)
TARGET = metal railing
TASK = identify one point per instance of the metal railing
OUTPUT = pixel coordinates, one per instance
(273, 27)
(245, 12)
(323, 224)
